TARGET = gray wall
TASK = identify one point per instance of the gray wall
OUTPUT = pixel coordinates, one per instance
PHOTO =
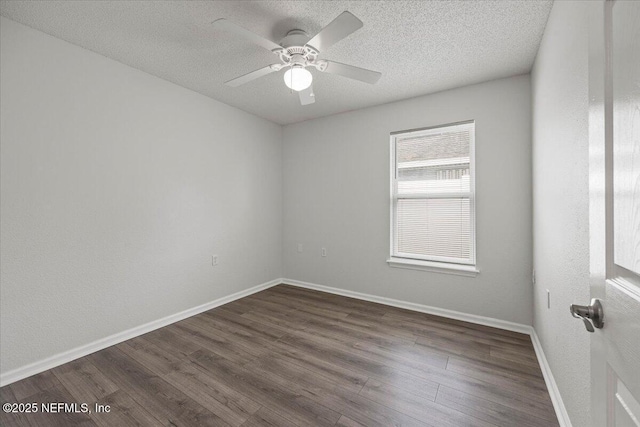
(117, 187)
(336, 195)
(561, 200)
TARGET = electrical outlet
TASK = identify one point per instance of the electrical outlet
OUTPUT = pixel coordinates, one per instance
(214, 260)
(548, 299)
(299, 248)
(324, 252)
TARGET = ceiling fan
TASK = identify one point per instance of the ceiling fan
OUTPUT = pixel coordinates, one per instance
(297, 52)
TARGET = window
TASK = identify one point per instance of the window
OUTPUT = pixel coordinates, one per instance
(433, 203)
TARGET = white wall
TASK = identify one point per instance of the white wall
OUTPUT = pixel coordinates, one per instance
(561, 201)
(336, 195)
(116, 189)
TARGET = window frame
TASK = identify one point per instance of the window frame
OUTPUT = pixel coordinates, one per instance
(432, 263)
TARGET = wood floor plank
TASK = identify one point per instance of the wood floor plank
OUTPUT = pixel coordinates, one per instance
(380, 323)
(495, 373)
(460, 334)
(321, 310)
(17, 419)
(371, 329)
(428, 410)
(73, 416)
(350, 305)
(345, 421)
(285, 402)
(227, 329)
(311, 307)
(243, 342)
(478, 354)
(267, 418)
(483, 409)
(334, 301)
(363, 410)
(278, 309)
(454, 345)
(240, 324)
(289, 356)
(34, 384)
(212, 340)
(495, 362)
(425, 327)
(432, 328)
(123, 411)
(296, 372)
(347, 335)
(6, 395)
(261, 302)
(294, 377)
(337, 353)
(150, 355)
(413, 355)
(223, 401)
(390, 371)
(344, 377)
(217, 397)
(84, 381)
(314, 316)
(426, 318)
(330, 317)
(165, 402)
(281, 321)
(236, 307)
(172, 340)
(358, 355)
(514, 356)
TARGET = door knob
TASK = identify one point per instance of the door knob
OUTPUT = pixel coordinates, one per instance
(589, 314)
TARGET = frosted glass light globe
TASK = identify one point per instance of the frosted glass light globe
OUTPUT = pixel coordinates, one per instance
(297, 78)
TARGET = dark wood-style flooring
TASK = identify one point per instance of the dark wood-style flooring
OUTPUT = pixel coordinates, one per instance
(294, 357)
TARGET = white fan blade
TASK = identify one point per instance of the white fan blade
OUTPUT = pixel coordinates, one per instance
(252, 75)
(307, 96)
(337, 29)
(243, 32)
(352, 72)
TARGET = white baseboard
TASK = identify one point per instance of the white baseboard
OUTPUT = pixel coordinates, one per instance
(451, 314)
(67, 356)
(554, 393)
(552, 387)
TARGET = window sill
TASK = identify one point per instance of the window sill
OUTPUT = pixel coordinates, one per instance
(434, 267)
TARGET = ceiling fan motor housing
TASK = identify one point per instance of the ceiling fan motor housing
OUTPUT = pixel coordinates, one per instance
(294, 38)
(296, 53)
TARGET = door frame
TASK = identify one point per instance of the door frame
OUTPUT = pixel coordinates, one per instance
(600, 185)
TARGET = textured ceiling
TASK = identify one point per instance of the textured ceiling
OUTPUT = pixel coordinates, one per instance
(419, 46)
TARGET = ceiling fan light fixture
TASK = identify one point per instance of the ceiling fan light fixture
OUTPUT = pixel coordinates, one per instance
(298, 78)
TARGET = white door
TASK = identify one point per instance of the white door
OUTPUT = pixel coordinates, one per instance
(614, 174)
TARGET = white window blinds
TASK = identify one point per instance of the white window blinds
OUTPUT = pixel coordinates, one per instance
(433, 194)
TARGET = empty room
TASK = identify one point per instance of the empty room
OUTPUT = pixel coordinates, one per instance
(320, 213)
